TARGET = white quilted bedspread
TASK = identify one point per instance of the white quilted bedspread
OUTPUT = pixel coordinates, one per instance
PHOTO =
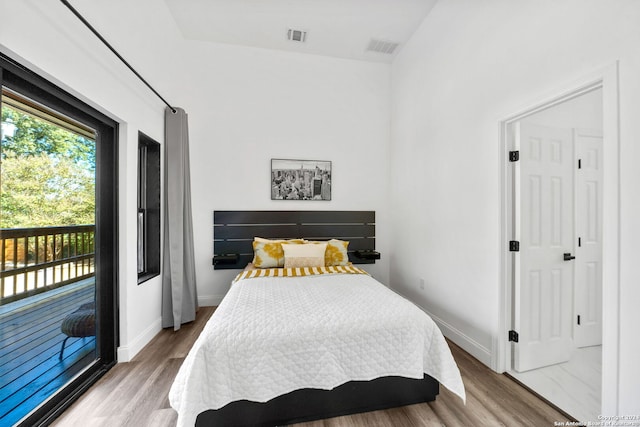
(270, 336)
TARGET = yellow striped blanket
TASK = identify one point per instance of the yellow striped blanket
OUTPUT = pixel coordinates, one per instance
(298, 272)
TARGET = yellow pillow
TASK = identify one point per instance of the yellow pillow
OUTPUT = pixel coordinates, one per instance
(336, 253)
(268, 253)
(311, 255)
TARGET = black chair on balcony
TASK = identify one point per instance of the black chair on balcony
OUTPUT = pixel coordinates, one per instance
(79, 324)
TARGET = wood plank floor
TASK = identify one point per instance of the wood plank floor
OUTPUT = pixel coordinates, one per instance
(30, 340)
(135, 394)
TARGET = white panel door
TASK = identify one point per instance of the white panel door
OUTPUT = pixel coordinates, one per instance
(588, 262)
(544, 222)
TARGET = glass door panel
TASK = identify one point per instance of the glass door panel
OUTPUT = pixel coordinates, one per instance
(47, 254)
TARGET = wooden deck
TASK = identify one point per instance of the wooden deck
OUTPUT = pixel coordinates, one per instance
(30, 342)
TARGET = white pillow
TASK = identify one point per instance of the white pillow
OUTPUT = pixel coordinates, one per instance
(307, 255)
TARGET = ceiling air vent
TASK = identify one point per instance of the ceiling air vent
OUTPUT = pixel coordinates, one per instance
(296, 35)
(382, 46)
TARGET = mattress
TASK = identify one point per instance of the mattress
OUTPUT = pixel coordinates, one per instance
(274, 335)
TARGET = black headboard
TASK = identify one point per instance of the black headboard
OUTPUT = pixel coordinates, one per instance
(233, 232)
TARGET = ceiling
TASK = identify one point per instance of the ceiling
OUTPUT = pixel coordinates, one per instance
(338, 28)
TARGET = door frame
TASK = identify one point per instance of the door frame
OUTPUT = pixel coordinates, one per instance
(31, 84)
(607, 79)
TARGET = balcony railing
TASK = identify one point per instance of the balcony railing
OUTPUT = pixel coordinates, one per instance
(35, 260)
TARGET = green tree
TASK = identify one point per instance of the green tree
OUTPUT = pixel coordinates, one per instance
(47, 175)
(34, 136)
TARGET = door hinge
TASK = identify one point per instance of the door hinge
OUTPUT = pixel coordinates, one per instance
(578, 319)
(514, 246)
(513, 336)
(514, 156)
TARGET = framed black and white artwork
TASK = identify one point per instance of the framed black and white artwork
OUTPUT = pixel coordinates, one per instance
(300, 179)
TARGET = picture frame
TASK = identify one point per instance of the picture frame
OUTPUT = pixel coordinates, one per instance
(301, 179)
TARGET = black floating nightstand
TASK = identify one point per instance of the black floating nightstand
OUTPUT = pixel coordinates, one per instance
(225, 259)
(368, 255)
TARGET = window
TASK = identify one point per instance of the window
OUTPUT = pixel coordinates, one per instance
(148, 208)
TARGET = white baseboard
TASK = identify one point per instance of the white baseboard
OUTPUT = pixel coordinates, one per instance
(127, 352)
(209, 300)
(462, 340)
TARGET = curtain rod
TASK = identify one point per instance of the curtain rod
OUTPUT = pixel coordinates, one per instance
(97, 34)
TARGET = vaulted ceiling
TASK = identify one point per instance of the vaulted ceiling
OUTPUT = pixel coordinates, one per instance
(338, 28)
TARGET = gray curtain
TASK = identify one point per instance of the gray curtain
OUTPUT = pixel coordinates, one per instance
(179, 295)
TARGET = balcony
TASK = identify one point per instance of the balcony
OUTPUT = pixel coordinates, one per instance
(36, 260)
(46, 273)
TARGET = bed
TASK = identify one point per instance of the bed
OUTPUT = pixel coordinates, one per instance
(303, 343)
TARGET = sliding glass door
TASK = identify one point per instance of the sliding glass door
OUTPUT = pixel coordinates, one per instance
(57, 247)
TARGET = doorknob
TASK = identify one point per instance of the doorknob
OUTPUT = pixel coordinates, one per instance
(568, 256)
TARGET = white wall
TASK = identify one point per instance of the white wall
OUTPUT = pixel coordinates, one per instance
(469, 66)
(245, 107)
(248, 105)
(48, 39)
(251, 105)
